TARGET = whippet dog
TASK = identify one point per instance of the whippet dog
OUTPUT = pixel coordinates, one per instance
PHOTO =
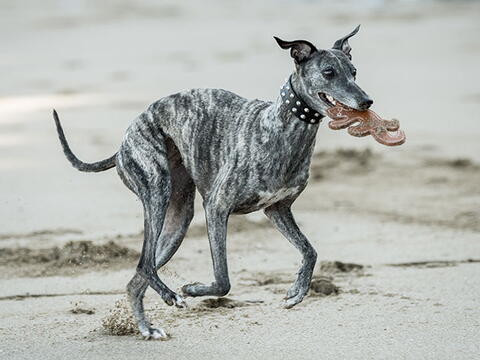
(241, 155)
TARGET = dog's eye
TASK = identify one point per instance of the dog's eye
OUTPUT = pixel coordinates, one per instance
(354, 73)
(328, 73)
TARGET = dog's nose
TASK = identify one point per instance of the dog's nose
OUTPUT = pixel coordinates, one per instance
(366, 104)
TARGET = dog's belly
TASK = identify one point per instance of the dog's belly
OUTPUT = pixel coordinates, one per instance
(268, 198)
(264, 199)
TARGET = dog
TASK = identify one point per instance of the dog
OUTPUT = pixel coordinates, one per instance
(241, 155)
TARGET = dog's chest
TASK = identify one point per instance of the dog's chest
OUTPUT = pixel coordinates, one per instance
(271, 180)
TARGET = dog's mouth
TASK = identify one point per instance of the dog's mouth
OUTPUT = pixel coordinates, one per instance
(331, 101)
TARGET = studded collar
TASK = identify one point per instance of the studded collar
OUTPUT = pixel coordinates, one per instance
(297, 106)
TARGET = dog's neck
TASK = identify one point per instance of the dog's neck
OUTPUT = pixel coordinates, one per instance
(291, 106)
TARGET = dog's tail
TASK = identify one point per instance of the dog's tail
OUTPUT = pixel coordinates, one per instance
(76, 162)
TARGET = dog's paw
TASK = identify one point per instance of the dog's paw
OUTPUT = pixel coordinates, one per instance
(294, 296)
(291, 302)
(292, 292)
(172, 298)
(180, 301)
(154, 334)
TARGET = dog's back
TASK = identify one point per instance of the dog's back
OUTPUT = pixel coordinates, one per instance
(208, 127)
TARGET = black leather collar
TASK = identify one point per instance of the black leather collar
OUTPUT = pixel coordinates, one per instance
(297, 106)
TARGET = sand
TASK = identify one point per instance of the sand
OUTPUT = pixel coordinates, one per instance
(397, 230)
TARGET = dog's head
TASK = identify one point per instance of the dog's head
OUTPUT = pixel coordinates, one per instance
(325, 77)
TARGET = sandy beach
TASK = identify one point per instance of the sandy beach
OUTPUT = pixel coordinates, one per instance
(397, 230)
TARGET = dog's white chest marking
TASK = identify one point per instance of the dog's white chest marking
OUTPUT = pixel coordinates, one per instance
(268, 198)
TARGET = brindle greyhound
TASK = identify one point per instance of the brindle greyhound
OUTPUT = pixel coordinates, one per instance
(241, 155)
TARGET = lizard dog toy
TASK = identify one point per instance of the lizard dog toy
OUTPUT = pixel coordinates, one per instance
(363, 123)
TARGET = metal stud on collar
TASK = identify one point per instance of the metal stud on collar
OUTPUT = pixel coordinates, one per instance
(297, 106)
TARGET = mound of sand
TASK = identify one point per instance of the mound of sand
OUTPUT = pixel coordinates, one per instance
(222, 302)
(79, 307)
(324, 286)
(73, 253)
(339, 267)
(342, 161)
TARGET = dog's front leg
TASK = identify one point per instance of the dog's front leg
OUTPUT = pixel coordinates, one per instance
(281, 216)
(217, 218)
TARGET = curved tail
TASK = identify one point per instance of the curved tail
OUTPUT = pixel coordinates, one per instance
(76, 162)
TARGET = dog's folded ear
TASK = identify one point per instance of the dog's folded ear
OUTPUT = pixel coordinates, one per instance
(343, 45)
(300, 50)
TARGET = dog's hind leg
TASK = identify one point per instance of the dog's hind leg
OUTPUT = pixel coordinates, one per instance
(143, 166)
(282, 218)
(178, 217)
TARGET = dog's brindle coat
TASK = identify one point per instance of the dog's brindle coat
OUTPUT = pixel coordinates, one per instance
(241, 155)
